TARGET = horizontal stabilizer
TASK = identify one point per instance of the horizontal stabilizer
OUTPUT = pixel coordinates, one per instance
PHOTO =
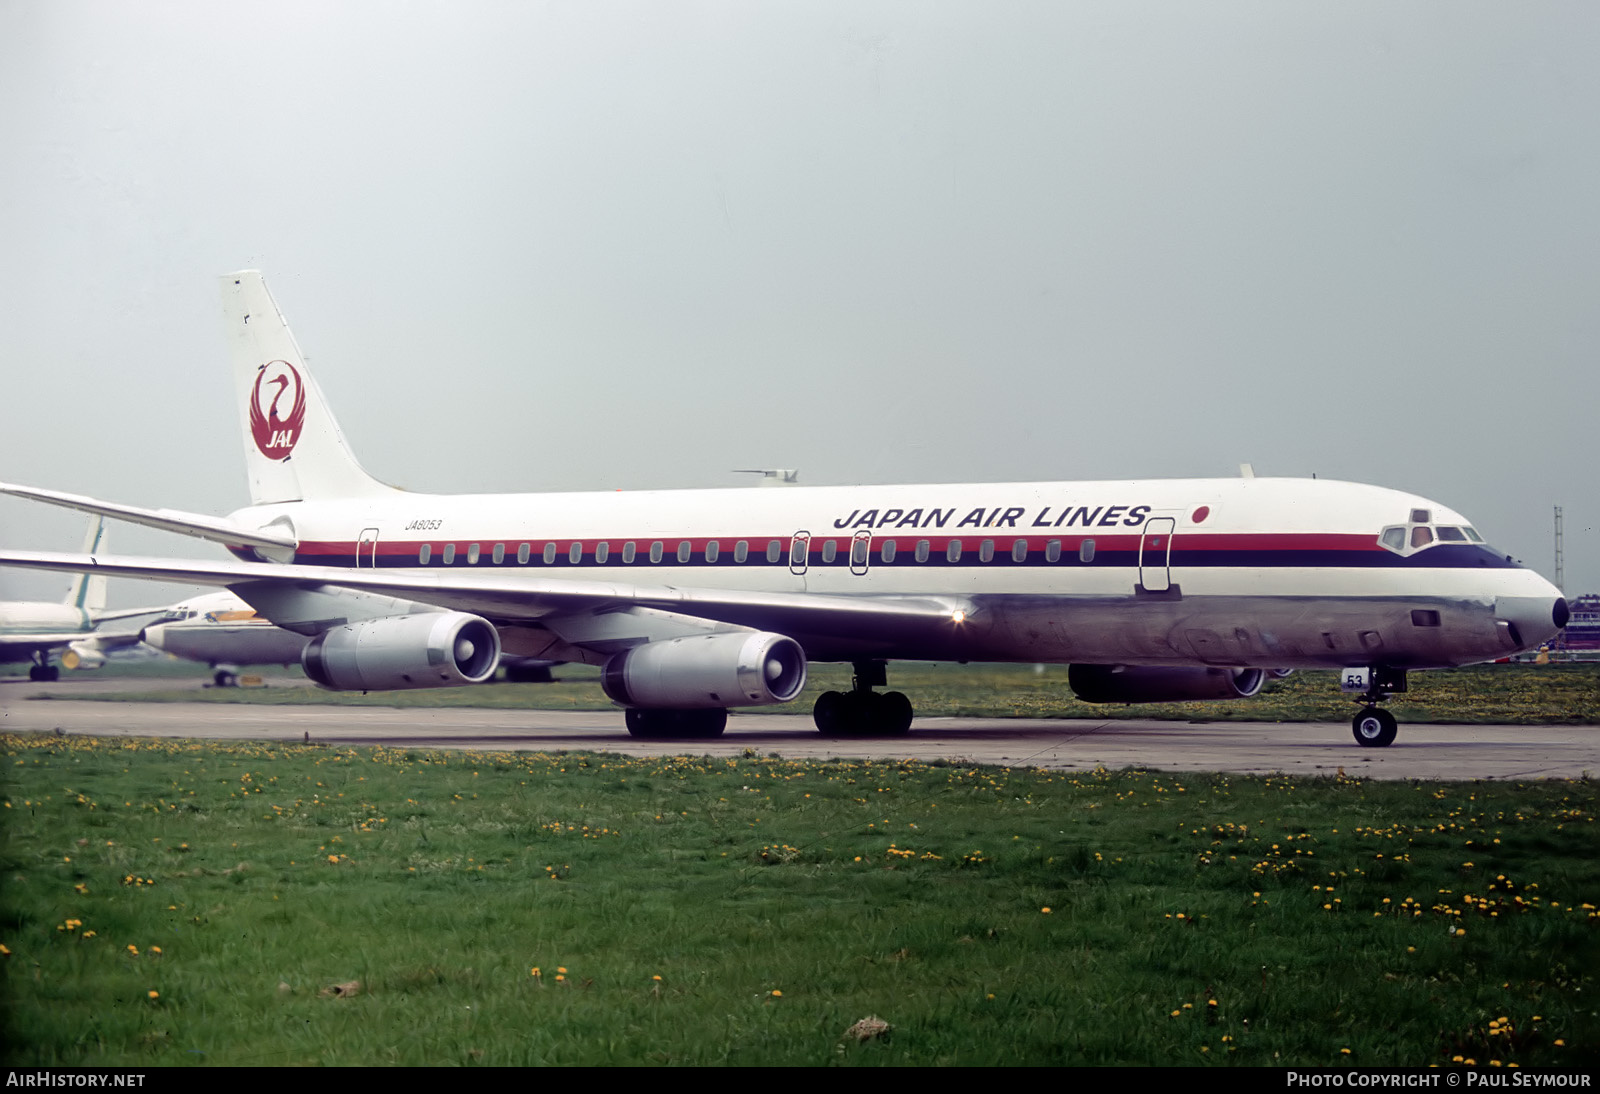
(168, 520)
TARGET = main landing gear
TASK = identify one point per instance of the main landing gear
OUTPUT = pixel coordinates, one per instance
(42, 672)
(862, 712)
(681, 725)
(1374, 727)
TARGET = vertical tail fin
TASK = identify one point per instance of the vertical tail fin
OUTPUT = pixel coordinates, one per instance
(293, 449)
(88, 591)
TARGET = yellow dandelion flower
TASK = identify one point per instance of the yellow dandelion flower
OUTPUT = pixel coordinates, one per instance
(1045, 910)
(155, 995)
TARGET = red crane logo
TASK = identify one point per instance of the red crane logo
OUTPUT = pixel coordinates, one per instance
(276, 434)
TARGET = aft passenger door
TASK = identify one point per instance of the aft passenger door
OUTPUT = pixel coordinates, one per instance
(1155, 555)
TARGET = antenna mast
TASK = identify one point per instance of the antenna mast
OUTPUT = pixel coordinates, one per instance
(1560, 576)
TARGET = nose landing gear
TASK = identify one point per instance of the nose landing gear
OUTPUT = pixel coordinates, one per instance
(1374, 727)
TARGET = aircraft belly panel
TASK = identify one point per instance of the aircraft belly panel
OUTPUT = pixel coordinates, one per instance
(1273, 632)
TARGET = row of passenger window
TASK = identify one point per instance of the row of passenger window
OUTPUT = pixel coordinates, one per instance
(799, 553)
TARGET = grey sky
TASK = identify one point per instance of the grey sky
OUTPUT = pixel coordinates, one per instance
(600, 245)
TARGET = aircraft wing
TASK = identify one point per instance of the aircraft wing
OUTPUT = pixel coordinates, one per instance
(128, 613)
(168, 520)
(829, 627)
(20, 647)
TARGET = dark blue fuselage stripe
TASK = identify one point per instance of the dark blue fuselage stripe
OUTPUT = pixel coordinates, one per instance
(1441, 557)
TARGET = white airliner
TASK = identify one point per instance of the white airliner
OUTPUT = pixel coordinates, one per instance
(699, 600)
(35, 629)
(223, 632)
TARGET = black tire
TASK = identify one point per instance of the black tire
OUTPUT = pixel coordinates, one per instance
(894, 714)
(1374, 728)
(222, 678)
(830, 714)
(682, 725)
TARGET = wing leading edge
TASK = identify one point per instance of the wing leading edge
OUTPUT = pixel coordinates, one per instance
(828, 627)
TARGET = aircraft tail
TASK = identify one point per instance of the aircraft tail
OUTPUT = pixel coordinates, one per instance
(88, 592)
(293, 448)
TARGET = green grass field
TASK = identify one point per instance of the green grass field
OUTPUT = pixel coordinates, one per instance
(171, 902)
(1514, 694)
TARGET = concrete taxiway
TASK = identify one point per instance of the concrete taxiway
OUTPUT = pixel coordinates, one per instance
(1422, 751)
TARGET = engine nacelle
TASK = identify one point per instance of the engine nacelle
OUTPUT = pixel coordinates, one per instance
(83, 655)
(429, 650)
(1149, 684)
(741, 669)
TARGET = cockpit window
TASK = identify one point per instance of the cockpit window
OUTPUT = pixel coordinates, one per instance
(1415, 535)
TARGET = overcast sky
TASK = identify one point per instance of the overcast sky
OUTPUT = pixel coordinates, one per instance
(598, 245)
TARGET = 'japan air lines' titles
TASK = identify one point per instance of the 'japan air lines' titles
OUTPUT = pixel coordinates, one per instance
(1016, 516)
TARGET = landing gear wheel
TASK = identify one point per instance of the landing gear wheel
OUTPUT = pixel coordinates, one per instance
(1374, 728)
(894, 714)
(862, 714)
(830, 714)
(682, 725)
(222, 678)
(43, 674)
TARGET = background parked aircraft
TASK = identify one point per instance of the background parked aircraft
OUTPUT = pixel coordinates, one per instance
(35, 630)
(222, 631)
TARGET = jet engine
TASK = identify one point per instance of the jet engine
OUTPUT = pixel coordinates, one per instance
(1145, 684)
(740, 669)
(429, 650)
(83, 655)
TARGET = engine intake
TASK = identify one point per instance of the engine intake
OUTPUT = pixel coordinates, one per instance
(429, 650)
(1146, 684)
(742, 669)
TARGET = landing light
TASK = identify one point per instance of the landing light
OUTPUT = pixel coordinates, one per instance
(958, 616)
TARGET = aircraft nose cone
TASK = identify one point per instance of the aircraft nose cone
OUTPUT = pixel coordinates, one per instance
(1534, 619)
